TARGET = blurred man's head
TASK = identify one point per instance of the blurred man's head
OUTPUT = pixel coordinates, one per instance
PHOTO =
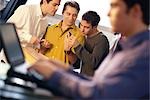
(89, 22)
(49, 7)
(70, 12)
(127, 16)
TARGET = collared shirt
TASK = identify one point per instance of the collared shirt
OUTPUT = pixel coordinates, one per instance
(56, 37)
(123, 74)
(29, 22)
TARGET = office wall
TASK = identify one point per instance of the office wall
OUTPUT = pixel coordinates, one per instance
(100, 6)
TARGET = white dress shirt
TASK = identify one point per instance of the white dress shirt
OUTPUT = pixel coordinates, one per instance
(29, 22)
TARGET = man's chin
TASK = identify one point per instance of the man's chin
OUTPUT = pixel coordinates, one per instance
(51, 14)
(84, 34)
(70, 24)
(114, 29)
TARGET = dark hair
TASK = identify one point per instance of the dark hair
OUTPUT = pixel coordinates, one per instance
(144, 4)
(46, 0)
(73, 4)
(91, 17)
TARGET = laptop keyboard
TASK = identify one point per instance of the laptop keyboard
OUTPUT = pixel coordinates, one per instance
(32, 77)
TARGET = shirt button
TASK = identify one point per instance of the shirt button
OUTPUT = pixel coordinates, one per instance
(53, 57)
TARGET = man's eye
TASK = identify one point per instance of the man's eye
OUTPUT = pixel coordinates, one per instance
(68, 13)
(54, 4)
(74, 15)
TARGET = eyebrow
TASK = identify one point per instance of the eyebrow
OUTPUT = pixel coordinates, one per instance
(84, 26)
(56, 3)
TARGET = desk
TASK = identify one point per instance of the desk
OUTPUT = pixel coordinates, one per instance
(8, 91)
(32, 56)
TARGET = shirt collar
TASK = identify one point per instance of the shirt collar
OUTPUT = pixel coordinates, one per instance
(60, 24)
(135, 40)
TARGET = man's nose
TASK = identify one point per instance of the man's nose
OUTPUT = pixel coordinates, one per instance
(108, 13)
(81, 29)
(71, 17)
(56, 7)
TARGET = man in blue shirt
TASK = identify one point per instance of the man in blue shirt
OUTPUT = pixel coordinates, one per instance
(124, 73)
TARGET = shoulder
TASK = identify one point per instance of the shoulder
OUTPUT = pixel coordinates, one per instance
(53, 26)
(33, 9)
(20, 13)
(137, 55)
(102, 37)
(24, 7)
(76, 30)
(52, 29)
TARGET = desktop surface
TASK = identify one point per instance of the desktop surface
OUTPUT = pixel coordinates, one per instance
(9, 91)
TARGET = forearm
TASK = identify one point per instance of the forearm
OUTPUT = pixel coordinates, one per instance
(73, 87)
(78, 75)
(71, 56)
(25, 37)
(90, 58)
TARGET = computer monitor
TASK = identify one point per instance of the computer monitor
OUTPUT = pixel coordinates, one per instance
(11, 44)
(1, 21)
(0, 46)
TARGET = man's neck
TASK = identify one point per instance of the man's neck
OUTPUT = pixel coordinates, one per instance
(64, 26)
(95, 32)
(138, 28)
(43, 10)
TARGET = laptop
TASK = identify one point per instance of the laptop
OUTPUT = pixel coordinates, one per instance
(14, 53)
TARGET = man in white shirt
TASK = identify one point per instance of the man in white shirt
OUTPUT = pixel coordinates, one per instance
(31, 20)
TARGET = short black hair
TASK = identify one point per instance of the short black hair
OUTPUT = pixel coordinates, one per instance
(91, 17)
(144, 4)
(73, 4)
(46, 0)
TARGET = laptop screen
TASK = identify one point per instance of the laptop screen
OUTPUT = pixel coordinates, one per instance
(0, 45)
(11, 44)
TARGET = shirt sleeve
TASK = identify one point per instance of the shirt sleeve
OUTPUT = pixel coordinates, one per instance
(75, 87)
(124, 79)
(21, 19)
(78, 74)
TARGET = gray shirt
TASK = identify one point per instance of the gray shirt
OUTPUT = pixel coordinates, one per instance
(92, 53)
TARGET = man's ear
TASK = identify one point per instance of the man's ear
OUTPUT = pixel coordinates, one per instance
(94, 27)
(44, 2)
(136, 11)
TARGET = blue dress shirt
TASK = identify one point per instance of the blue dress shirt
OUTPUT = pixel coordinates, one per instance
(123, 74)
